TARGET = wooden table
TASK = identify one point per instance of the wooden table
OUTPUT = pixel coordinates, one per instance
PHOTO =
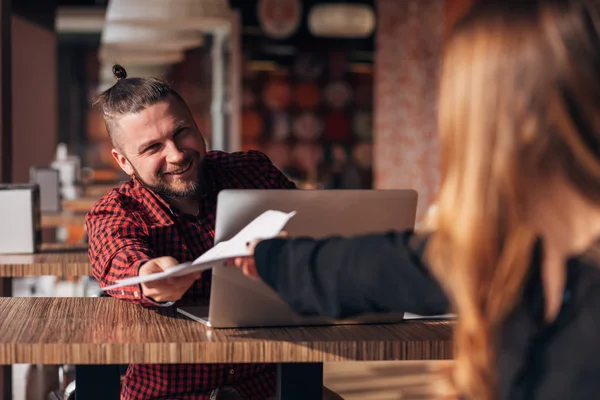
(99, 189)
(103, 331)
(53, 259)
(64, 218)
(80, 205)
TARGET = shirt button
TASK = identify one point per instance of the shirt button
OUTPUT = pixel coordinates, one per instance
(231, 371)
(136, 294)
(122, 293)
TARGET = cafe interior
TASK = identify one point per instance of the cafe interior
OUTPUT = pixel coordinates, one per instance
(339, 94)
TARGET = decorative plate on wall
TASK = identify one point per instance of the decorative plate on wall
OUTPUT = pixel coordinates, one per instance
(277, 94)
(307, 95)
(338, 94)
(308, 126)
(307, 156)
(362, 154)
(335, 154)
(279, 19)
(279, 126)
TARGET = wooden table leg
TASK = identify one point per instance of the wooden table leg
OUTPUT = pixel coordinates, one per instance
(6, 381)
(6, 370)
(299, 381)
(97, 382)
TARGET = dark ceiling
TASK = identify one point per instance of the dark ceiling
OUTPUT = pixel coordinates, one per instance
(263, 46)
(302, 39)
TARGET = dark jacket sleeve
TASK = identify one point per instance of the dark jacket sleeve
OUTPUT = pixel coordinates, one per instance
(342, 277)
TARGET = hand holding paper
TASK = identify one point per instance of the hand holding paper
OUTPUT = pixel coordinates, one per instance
(165, 290)
(265, 226)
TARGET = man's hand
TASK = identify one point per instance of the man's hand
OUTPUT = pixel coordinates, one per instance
(170, 289)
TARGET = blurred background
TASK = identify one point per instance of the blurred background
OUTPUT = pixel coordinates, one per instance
(284, 78)
(338, 93)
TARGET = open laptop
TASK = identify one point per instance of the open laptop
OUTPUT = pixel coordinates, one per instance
(237, 301)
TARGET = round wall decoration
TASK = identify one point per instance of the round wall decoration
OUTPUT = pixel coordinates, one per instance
(308, 126)
(307, 95)
(279, 126)
(279, 19)
(277, 94)
(338, 94)
(362, 154)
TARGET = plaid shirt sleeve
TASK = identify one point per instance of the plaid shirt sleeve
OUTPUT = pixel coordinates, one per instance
(118, 247)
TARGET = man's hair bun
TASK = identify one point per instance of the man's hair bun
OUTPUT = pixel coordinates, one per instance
(119, 72)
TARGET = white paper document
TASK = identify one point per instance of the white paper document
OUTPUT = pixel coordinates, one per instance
(266, 226)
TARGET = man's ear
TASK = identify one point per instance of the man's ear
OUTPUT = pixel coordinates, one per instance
(122, 161)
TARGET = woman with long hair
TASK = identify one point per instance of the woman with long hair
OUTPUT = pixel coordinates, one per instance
(516, 240)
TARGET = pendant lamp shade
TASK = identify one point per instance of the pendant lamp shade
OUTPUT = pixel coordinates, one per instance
(172, 14)
(123, 36)
(139, 57)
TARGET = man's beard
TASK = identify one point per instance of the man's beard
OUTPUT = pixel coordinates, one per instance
(190, 189)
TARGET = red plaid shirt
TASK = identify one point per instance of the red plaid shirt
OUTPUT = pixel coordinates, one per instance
(131, 225)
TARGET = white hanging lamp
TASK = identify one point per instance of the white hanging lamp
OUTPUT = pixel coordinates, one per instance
(179, 14)
(341, 20)
(139, 57)
(121, 36)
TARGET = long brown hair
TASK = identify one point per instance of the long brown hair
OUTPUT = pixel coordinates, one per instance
(519, 103)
